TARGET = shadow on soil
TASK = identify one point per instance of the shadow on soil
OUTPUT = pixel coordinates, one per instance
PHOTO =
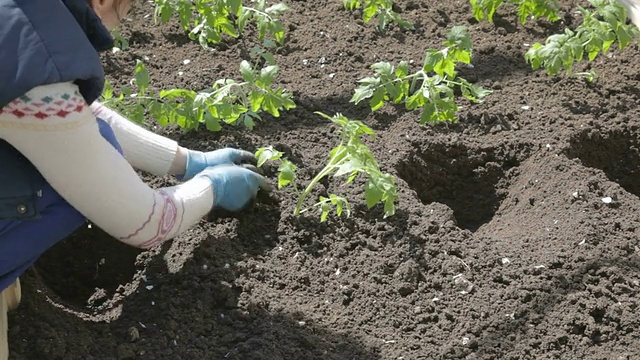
(471, 182)
(196, 307)
(615, 152)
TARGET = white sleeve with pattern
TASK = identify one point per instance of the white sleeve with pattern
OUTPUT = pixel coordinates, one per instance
(57, 131)
(143, 149)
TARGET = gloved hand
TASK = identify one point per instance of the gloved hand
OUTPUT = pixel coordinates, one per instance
(234, 186)
(198, 160)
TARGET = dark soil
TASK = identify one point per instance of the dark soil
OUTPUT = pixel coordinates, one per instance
(502, 247)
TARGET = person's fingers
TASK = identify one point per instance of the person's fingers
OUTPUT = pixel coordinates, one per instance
(262, 181)
(243, 156)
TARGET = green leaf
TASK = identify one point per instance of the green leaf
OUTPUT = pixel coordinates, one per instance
(247, 71)
(378, 98)
(265, 154)
(277, 9)
(286, 173)
(267, 75)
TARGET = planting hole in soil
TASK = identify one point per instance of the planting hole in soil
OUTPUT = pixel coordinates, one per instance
(615, 152)
(469, 181)
(90, 280)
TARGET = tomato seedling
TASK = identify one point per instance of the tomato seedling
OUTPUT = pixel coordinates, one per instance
(382, 10)
(226, 101)
(431, 88)
(599, 30)
(208, 20)
(485, 9)
(349, 158)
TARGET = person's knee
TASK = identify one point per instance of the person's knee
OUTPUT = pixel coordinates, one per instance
(107, 133)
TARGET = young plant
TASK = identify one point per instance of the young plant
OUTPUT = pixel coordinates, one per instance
(120, 43)
(349, 158)
(485, 9)
(209, 20)
(382, 10)
(600, 29)
(227, 101)
(431, 88)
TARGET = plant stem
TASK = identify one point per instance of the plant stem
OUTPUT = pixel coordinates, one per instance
(333, 164)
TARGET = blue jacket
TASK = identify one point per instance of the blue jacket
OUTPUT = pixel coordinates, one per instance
(43, 42)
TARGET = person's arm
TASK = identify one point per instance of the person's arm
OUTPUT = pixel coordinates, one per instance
(145, 150)
(57, 131)
(158, 155)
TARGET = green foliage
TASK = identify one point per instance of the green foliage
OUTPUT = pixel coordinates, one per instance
(382, 10)
(227, 101)
(600, 29)
(209, 20)
(349, 158)
(431, 88)
(485, 9)
(120, 43)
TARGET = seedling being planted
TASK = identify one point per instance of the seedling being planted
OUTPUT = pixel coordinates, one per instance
(382, 10)
(349, 159)
(431, 88)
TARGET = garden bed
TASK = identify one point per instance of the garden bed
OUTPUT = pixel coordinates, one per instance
(502, 246)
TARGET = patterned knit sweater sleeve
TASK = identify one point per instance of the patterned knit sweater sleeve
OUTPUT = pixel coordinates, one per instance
(143, 149)
(56, 130)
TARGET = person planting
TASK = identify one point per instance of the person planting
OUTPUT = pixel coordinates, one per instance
(66, 158)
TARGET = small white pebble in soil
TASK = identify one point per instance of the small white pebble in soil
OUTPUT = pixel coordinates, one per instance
(505, 261)
(226, 266)
(465, 340)
(149, 287)
(305, 62)
(338, 272)
(153, 303)
(525, 107)
(322, 60)
(180, 73)
(175, 343)
(526, 44)
(576, 194)
(332, 75)
(607, 200)
(464, 286)
(88, 226)
(205, 267)
(548, 146)
(582, 242)
(143, 325)
(389, 341)
(539, 267)
(186, 61)
(435, 299)
(302, 323)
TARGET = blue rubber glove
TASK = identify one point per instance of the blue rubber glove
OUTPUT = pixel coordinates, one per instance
(198, 160)
(234, 186)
